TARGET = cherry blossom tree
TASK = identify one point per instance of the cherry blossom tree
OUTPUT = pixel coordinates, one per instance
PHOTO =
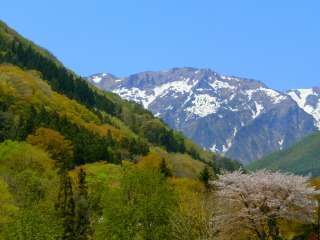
(255, 203)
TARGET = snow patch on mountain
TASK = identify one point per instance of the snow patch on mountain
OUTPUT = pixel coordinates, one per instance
(300, 96)
(229, 78)
(97, 79)
(228, 144)
(214, 148)
(280, 142)
(134, 94)
(203, 105)
(146, 97)
(275, 96)
(258, 109)
(219, 84)
(181, 86)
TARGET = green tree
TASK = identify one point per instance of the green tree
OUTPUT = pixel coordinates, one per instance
(164, 169)
(205, 176)
(66, 207)
(54, 143)
(140, 209)
(83, 227)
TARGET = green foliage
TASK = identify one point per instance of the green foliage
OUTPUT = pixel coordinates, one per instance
(139, 209)
(99, 175)
(31, 180)
(302, 158)
(35, 222)
(8, 209)
(181, 165)
(193, 217)
(17, 158)
(35, 105)
(54, 143)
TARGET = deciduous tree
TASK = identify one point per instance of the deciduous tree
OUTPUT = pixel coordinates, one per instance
(257, 202)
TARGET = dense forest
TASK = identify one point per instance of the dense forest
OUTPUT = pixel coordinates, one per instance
(79, 163)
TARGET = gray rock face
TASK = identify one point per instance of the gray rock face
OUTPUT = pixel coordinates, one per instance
(241, 118)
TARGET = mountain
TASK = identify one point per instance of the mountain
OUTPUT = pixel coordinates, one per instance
(241, 118)
(301, 158)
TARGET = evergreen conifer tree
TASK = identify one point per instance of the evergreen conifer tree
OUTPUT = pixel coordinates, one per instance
(205, 176)
(66, 207)
(164, 169)
(83, 227)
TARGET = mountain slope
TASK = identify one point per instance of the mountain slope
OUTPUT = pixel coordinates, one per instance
(302, 158)
(28, 103)
(241, 118)
(40, 92)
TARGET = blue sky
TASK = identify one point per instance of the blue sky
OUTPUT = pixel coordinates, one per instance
(275, 41)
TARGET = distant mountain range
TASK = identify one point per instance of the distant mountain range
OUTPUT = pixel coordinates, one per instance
(241, 118)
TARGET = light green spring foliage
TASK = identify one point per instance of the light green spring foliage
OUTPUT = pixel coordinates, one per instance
(28, 189)
(128, 201)
(140, 208)
(7, 208)
(99, 176)
(28, 171)
(134, 200)
(181, 165)
(34, 223)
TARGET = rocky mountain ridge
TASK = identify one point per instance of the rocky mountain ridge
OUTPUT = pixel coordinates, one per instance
(241, 118)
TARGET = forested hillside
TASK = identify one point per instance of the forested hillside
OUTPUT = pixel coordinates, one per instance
(302, 158)
(107, 108)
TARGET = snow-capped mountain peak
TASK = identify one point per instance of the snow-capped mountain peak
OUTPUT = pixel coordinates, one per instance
(240, 117)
